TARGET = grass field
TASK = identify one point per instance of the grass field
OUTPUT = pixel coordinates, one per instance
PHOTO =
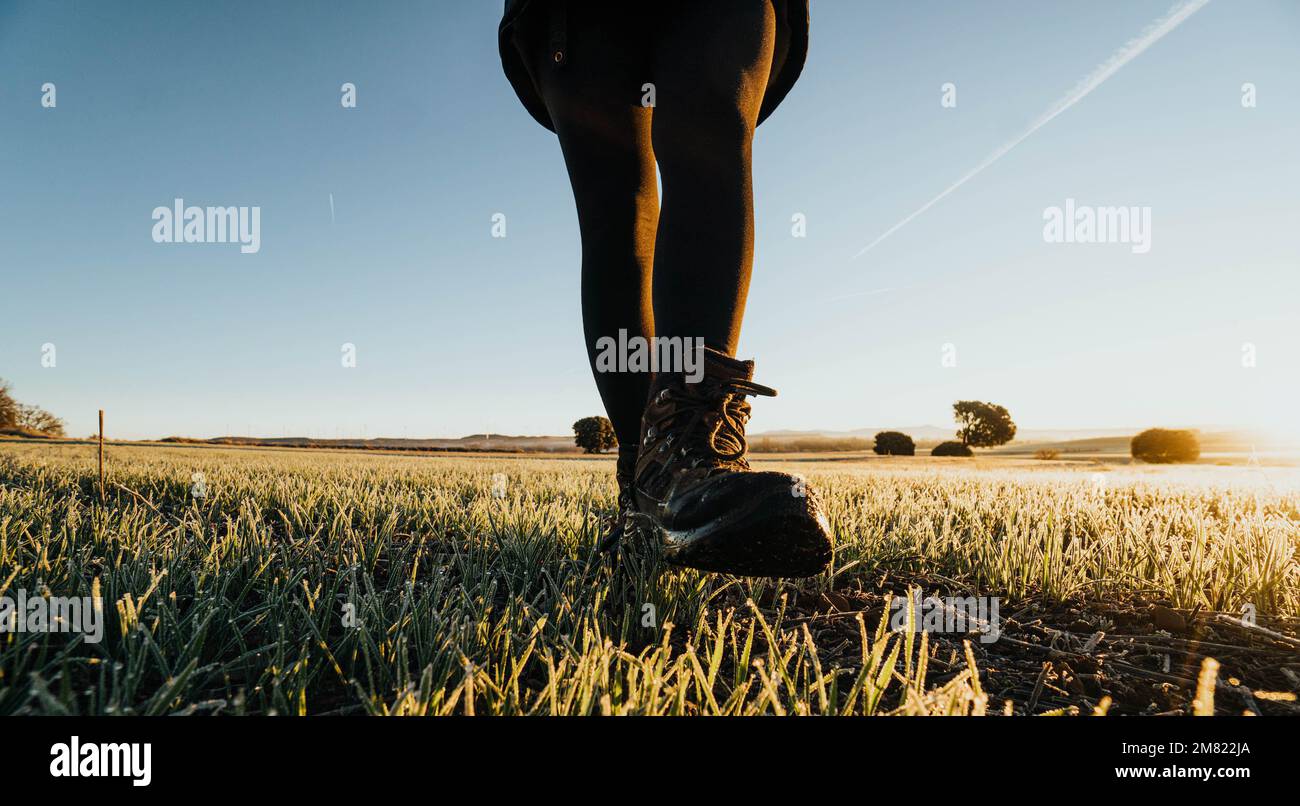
(311, 582)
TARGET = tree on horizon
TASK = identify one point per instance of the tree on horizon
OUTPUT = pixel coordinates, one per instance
(983, 425)
(594, 434)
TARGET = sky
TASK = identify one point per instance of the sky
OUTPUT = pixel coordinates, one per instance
(376, 221)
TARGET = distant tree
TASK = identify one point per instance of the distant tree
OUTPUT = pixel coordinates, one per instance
(29, 418)
(35, 418)
(952, 449)
(594, 434)
(1162, 446)
(894, 443)
(983, 425)
(8, 406)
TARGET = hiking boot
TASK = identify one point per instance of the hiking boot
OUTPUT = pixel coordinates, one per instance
(696, 492)
(623, 474)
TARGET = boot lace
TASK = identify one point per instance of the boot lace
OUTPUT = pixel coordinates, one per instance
(712, 421)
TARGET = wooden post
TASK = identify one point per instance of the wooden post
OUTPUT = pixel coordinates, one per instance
(101, 456)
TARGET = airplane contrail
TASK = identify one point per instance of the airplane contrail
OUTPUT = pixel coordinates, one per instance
(1153, 34)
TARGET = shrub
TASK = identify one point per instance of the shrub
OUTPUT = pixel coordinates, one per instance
(1047, 453)
(1162, 446)
(594, 434)
(951, 449)
(894, 443)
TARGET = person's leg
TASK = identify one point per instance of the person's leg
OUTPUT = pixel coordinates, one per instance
(694, 489)
(604, 133)
(711, 64)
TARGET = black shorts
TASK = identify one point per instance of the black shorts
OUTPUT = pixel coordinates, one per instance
(789, 54)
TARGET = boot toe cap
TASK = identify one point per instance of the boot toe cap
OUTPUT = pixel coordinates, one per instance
(757, 523)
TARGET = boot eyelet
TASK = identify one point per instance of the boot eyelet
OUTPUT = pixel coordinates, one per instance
(650, 433)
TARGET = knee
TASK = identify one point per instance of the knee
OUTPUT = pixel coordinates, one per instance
(617, 227)
(617, 203)
(612, 172)
(707, 139)
(615, 196)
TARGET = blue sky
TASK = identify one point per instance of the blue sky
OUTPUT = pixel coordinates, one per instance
(457, 332)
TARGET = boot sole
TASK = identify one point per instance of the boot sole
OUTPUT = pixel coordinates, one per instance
(791, 542)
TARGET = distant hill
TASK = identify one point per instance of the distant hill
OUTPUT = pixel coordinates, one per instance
(1027, 442)
(24, 433)
(936, 433)
(473, 442)
(1214, 439)
(1211, 442)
